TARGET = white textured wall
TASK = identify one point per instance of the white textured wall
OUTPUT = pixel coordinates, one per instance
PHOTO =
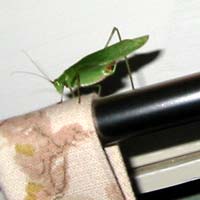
(58, 33)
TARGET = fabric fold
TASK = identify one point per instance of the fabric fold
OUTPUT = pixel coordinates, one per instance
(55, 153)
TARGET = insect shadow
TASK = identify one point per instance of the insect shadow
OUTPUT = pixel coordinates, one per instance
(114, 83)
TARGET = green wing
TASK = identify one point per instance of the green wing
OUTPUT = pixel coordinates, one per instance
(93, 68)
(110, 54)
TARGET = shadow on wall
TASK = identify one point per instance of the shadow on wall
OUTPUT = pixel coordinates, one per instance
(137, 62)
(114, 83)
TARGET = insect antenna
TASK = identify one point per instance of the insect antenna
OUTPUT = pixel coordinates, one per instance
(31, 73)
(45, 76)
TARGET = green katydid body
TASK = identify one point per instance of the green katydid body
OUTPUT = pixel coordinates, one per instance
(97, 66)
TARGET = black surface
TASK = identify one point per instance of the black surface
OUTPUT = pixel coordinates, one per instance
(148, 109)
(182, 191)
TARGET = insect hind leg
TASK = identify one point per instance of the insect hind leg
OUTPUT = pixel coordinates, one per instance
(115, 29)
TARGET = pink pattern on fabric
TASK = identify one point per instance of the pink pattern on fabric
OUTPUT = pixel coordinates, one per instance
(48, 165)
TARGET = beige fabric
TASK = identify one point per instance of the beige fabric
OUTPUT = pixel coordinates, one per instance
(55, 153)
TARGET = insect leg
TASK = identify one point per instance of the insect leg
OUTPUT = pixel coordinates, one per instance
(98, 86)
(61, 99)
(111, 35)
(72, 92)
(115, 29)
(78, 88)
(99, 89)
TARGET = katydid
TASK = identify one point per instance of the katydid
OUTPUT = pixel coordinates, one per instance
(95, 67)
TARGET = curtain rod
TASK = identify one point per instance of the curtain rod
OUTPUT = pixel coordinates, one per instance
(148, 109)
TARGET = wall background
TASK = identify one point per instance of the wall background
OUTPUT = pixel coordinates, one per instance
(58, 33)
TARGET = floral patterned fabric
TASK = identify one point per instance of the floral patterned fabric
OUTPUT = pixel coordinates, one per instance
(55, 153)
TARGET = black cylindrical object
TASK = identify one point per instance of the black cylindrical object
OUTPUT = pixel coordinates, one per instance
(148, 109)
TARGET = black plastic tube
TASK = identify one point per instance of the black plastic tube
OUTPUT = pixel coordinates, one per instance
(148, 109)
